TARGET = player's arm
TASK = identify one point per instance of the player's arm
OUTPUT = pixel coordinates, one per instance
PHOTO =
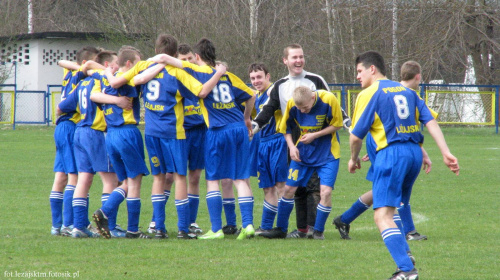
(115, 81)
(210, 84)
(355, 143)
(309, 137)
(69, 104)
(70, 65)
(426, 161)
(267, 112)
(294, 152)
(247, 114)
(148, 74)
(91, 65)
(123, 102)
(166, 59)
(450, 160)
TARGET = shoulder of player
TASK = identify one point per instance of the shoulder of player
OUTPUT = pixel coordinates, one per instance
(317, 79)
(326, 96)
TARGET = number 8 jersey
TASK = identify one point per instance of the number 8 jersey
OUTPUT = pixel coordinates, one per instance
(220, 107)
(391, 113)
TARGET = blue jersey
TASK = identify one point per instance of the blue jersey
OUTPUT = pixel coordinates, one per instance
(116, 116)
(325, 112)
(91, 115)
(192, 113)
(391, 113)
(273, 125)
(68, 84)
(220, 107)
(163, 101)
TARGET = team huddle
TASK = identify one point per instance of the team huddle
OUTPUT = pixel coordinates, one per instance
(200, 116)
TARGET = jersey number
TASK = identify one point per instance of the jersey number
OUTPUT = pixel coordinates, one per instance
(402, 106)
(82, 94)
(222, 93)
(293, 174)
(153, 90)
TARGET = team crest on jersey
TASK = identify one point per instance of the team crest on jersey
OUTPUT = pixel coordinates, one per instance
(320, 119)
(309, 129)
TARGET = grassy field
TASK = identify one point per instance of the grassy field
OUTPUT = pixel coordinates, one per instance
(461, 216)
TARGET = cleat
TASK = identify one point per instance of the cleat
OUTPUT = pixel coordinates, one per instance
(247, 232)
(296, 234)
(116, 233)
(342, 227)
(260, 230)
(66, 231)
(137, 234)
(101, 222)
(92, 229)
(83, 233)
(152, 228)
(310, 232)
(212, 235)
(185, 235)
(317, 235)
(229, 229)
(274, 233)
(119, 228)
(414, 235)
(401, 275)
(195, 228)
(55, 231)
(160, 234)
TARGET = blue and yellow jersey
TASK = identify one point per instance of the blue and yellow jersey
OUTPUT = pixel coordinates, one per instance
(164, 101)
(68, 84)
(192, 113)
(272, 126)
(90, 114)
(325, 112)
(116, 116)
(391, 113)
(220, 107)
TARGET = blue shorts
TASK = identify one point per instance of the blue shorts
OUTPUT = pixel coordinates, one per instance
(253, 155)
(273, 164)
(126, 151)
(226, 152)
(195, 138)
(65, 153)
(90, 151)
(395, 170)
(299, 175)
(167, 155)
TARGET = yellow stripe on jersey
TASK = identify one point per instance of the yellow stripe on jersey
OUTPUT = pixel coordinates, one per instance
(204, 112)
(197, 68)
(238, 83)
(192, 84)
(179, 116)
(138, 67)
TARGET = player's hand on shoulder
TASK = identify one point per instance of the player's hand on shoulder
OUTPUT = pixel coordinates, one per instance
(124, 102)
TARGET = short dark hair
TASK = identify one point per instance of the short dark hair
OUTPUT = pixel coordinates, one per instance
(372, 58)
(409, 70)
(127, 53)
(167, 44)
(86, 53)
(185, 49)
(206, 50)
(291, 46)
(254, 67)
(104, 56)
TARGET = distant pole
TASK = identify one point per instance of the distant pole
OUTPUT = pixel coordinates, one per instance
(30, 17)
(15, 96)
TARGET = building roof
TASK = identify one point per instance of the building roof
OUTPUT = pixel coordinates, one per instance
(69, 35)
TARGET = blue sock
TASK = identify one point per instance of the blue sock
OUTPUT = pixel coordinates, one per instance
(352, 213)
(214, 204)
(285, 207)
(110, 208)
(68, 205)
(246, 209)
(182, 206)
(158, 201)
(322, 213)
(194, 202)
(394, 241)
(167, 195)
(104, 198)
(397, 221)
(56, 207)
(229, 210)
(268, 214)
(405, 213)
(134, 211)
(80, 213)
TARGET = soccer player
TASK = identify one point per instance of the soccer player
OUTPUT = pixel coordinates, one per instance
(272, 151)
(165, 137)
(227, 139)
(318, 116)
(410, 78)
(66, 174)
(90, 153)
(390, 112)
(125, 147)
(306, 199)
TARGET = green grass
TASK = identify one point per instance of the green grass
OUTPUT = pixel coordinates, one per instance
(459, 214)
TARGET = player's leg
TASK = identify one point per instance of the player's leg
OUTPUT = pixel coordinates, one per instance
(229, 205)
(313, 198)
(269, 210)
(68, 204)
(246, 203)
(194, 199)
(182, 206)
(214, 205)
(342, 222)
(134, 208)
(109, 183)
(56, 202)
(168, 182)
(80, 206)
(409, 227)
